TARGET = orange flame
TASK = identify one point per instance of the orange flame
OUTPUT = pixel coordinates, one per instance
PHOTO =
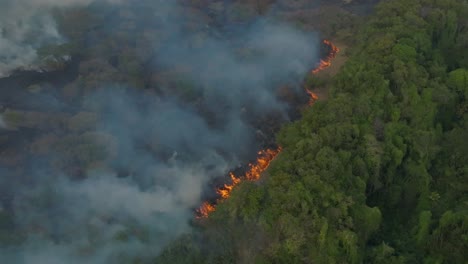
(325, 63)
(205, 209)
(265, 156)
(312, 97)
(255, 170)
(227, 188)
(263, 161)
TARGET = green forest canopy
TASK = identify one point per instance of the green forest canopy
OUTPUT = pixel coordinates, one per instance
(378, 173)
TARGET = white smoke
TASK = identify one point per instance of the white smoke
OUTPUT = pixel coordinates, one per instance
(169, 152)
(2, 122)
(25, 26)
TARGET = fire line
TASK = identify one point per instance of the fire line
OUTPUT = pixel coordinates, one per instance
(255, 170)
(265, 157)
(323, 64)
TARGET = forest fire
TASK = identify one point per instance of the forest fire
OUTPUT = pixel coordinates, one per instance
(255, 170)
(205, 209)
(227, 188)
(264, 156)
(312, 97)
(325, 63)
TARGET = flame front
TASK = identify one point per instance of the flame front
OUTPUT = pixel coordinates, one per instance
(255, 170)
(325, 63)
(265, 156)
(205, 209)
(227, 188)
(263, 161)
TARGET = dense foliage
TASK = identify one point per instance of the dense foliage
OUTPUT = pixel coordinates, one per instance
(378, 173)
(117, 115)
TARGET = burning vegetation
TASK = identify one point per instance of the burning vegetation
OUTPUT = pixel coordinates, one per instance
(264, 156)
(253, 173)
(312, 97)
(325, 63)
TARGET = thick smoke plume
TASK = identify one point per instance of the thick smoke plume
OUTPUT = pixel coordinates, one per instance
(155, 154)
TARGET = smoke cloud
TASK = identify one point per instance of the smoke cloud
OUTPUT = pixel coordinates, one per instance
(144, 158)
(25, 26)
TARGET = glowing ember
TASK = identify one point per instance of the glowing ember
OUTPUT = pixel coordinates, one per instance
(255, 170)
